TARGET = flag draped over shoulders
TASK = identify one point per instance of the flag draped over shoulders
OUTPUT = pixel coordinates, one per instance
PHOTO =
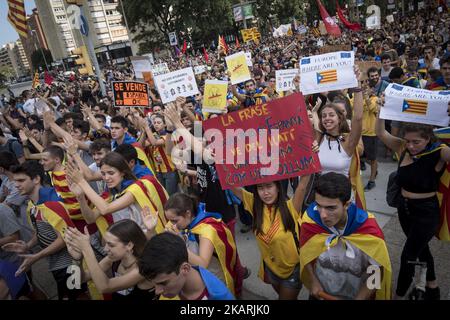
(52, 212)
(362, 231)
(210, 226)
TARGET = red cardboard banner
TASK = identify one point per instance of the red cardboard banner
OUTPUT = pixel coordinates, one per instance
(250, 149)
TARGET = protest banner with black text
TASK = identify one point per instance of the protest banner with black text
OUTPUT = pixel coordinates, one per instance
(409, 104)
(327, 72)
(285, 79)
(180, 83)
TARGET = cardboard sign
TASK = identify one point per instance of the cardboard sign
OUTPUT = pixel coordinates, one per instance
(264, 143)
(285, 79)
(335, 48)
(180, 83)
(215, 96)
(409, 104)
(237, 65)
(327, 72)
(140, 65)
(130, 94)
(290, 47)
(364, 66)
(148, 78)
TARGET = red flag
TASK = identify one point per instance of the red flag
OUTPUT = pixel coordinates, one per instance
(205, 54)
(48, 79)
(237, 43)
(330, 24)
(352, 26)
(184, 47)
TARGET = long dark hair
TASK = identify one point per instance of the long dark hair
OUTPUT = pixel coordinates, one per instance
(343, 125)
(127, 231)
(258, 210)
(117, 161)
(424, 130)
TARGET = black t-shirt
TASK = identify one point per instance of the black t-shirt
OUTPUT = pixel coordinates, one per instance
(211, 193)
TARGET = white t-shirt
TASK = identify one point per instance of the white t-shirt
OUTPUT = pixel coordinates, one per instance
(28, 106)
(435, 64)
(342, 269)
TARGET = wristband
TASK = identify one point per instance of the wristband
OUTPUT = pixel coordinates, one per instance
(169, 131)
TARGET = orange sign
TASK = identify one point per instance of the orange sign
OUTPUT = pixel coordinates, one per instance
(130, 94)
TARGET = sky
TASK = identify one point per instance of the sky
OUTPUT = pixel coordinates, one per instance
(8, 33)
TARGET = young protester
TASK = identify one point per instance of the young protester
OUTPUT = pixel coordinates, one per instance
(165, 262)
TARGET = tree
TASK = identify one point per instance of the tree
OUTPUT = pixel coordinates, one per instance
(37, 60)
(195, 21)
(6, 73)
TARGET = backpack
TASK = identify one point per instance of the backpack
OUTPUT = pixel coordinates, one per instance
(393, 190)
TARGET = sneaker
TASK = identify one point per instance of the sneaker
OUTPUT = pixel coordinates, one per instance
(363, 166)
(432, 294)
(370, 185)
(246, 228)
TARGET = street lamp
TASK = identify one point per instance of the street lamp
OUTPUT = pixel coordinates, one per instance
(40, 46)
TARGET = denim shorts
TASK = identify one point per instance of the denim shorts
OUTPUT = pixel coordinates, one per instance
(292, 282)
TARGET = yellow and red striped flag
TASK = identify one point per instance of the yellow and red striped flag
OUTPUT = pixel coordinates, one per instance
(415, 106)
(18, 17)
(223, 45)
(327, 76)
(36, 81)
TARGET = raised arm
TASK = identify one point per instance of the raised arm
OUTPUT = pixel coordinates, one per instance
(358, 108)
(390, 141)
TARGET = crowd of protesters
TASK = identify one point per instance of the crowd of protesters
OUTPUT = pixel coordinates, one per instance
(98, 187)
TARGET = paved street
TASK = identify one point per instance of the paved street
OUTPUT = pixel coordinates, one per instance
(386, 216)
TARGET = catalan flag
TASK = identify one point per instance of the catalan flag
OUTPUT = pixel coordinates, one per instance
(223, 45)
(415, 106)
(18, 17)
(327, 76)
(210, 226)
(361, 231)
(36, 81)
(316, 32)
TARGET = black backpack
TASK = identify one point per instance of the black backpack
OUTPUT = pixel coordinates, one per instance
(393, 190)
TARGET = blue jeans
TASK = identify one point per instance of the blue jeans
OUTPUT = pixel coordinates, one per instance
(169, 180)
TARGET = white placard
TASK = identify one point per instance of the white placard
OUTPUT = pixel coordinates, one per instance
(285, 79)
(416, 105)
(248, 57)
(302, 29)
(159, 69)
(180, 83)
(173, 39)
(200, 69)
(141, 64)
(373, 22)
(327, 72)
(390, 18)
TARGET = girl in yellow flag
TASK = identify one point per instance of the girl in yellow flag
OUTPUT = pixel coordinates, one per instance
(209, 241)
(124, 199)
(276, 226)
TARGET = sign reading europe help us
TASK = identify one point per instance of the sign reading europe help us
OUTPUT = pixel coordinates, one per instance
(416, 105)
(215, 96)
(284, 79)
(180, 83)
(327, 72)
(238, 68)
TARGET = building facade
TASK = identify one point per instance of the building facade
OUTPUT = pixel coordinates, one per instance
(104, 21)
(36, 38)
(12, 56)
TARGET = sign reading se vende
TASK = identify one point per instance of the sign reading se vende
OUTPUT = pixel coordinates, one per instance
(264, 143)
(130, 94)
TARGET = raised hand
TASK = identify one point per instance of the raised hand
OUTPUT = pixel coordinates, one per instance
(149, 218)
(18, 246)
(80, 241)
(171, 113)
